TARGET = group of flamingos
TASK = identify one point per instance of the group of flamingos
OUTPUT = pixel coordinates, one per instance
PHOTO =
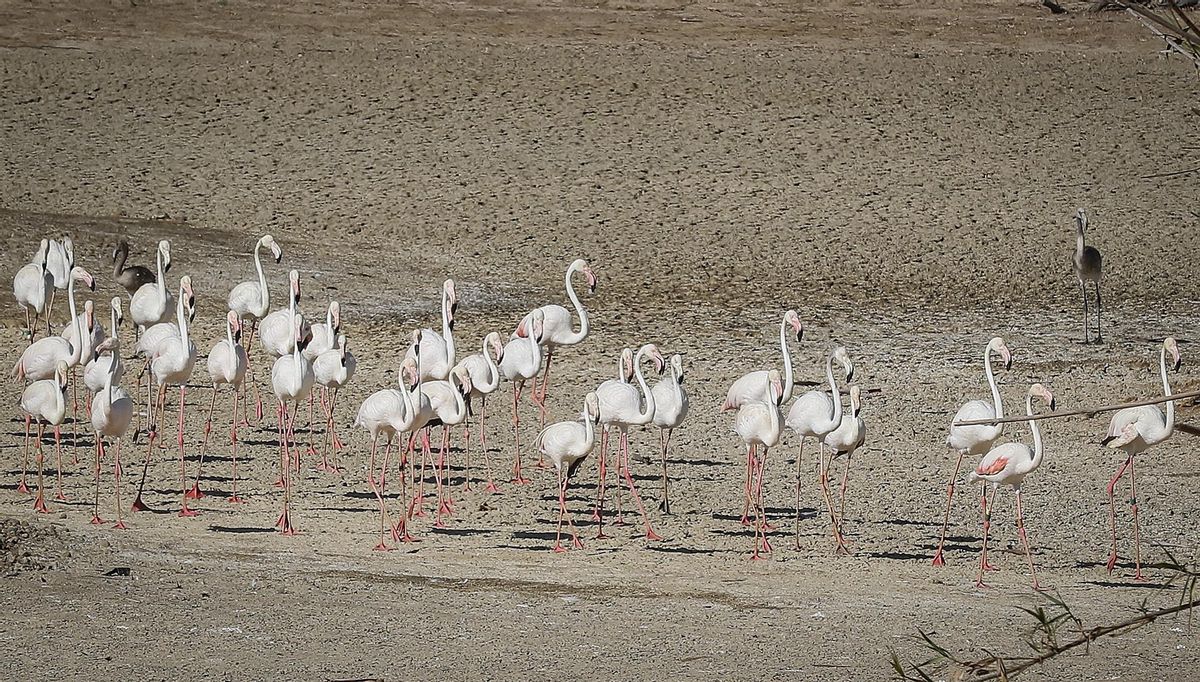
(438, 388)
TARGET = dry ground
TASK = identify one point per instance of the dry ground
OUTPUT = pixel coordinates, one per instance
(903, 174)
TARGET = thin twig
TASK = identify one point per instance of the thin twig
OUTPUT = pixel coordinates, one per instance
(1171, 173)
(1090, 412)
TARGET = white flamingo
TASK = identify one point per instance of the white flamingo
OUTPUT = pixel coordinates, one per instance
(32, 286)
(226, 366)
(325, 334)
(759, 424)
(277, 330)
(485, 380)
(670, 409)
(846, 439)
(521, 361)
(252, 301)
(559, 330)
(40, 359)
(151, 303)
(46, 401)
(622, 406)
(60, 261)
(389, 412)
(437, 350)
(446, 398)
(1009, 464)
(624, 376)
(974, 440)
(95, 374)
(814, 415)
(148, 343)
(567, 444)
(291, 380)
(1134, 430)
(754, 386)
(112, 410)
(333, 369)
(93, 331)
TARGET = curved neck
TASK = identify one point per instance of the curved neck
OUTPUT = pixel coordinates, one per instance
(119, 263)
(1078, 238)
(291, 300)
(1037, 435)
(262, 279)
(60, 401)
(589, 427)
(835, 420)
(447, 332)
(787, 362)
(112, 373)
(493, 371)
(535, 351)
(229, 334)
(296, 362)
(329, 320)
(77, 346)
(647, 411)
(576, 337)
(460, 406)
(115, 332)
(987, 370)
(1162, 366)
(406, 396)
(181, 318)
(162, 281)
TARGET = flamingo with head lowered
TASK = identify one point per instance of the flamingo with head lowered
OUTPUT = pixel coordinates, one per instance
(31, 288)
(46, 401)
(112, 410)
(759, 423)
(670, 409)
(437, 350)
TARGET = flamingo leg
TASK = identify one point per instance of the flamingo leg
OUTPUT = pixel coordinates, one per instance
(419, 497)
(664, 437)
(39, 501)
(382, 546)
(183, 507)
(602, 463)
(234, 498)
(1112, 513)
(74, 417)
(1086, 329)
(120, 524)
(752, 500)
(746, 486)
(517, 477)
(562, 512)
(938, 558)
(760, 506)
(138, 504)
(823, 467)
(487, 456)
(624, 458)
(1137, 535)
(285, 520)
(49, 310)
(541, 402)
(987, 514)
(1025, 539)
(842, 493)
(58, 494)
(21, 487)
(466, 435)
(439, 473)
(1099, 309)
(195, 492)
(325, 406)
(98, 451)
(799, 457)
(987, 524)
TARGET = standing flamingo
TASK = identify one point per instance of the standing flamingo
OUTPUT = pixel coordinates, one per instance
(60, 261)
(448, 404)
(759, 423)
(846, 439)
(95, 374)
(325, 334)
(1134, 430)
(112, 410)
(974, 440)
(226, 365)
(622, 406)
(521, 361)
(291, 380)
(558, 330)
(133, 277)
(171, 364)
(1088, 268)
(624, 376)
(40, 359)
(32, 286)
(815, 415)
(754, 385)
(389, 412)
(437, 350)
(147, 345)
(1009, 464)
(670, 409)
(567, 444)
(333, 369)
(252, 301)
(151, 303)
(276, 331)
(46, 401)
(485, 379)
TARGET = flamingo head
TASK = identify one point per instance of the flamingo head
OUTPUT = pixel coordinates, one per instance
(121, 247)
(69, 249)
(997, 344)
(537, 320)
(843, 358)
(775, 386)
(42, 254)
(464, 380)
(115, 304)
(294, 283)
(591, 407)
(61, 373)
(335, 317)
(660, 364)
(677, 366)
(303, 336)
(493, 340)
(112, 343)
(269, 242)
(1080, 219)
(793, 321)
(416, 341)
(89, 315)
(235, 325)
(1040, 391)
(343, 348)
(164, 250)
(626, 365)
(855, 399)
(582, 266)
(408, 373)
(81, 275)
(1171, 347)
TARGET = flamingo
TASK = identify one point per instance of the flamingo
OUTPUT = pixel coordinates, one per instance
(226, 365)
(846, 439)
(670, 409)
(754, 386)
(291, 380)
(151, 303)
(46, 401)
(624, 376)
(95, 374)
(759, 423)
(133, 277)
(325, 334)
(31, 285)
(1088, 268)
(437, 351)
(324, 340)
(93, 336)
(521, 361)
(1134, 430)
(974, 440)
(252, 301)
(277, 330)
(622, 406)
(40, 359)
(171, 363)
(815, 415)
(558, 329)
(60, 261)
(567, 444)
(333, 369)
(450, 409)
(1009, 464)
(112, 410)
(389, 412)
(485, 379)
(147, 345)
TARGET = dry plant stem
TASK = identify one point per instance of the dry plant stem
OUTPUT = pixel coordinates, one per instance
(1090, 412)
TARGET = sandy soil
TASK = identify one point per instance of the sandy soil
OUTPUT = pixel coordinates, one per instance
(903, 174)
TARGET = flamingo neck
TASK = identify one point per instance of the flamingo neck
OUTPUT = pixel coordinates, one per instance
(589, 427)
(579, 336)
(229, 335)
(77, 346)
(1162, 366)
(447, 332)
(787, 362)
(493, 380)
(329, 320)
(647, 412)
(265, 293)
(181, 318)
(119, 263)
(987, 370)
(836, 393)
(1079, 240)
(535, 351)
(1037, 435)
(112, 373)
(162, 282)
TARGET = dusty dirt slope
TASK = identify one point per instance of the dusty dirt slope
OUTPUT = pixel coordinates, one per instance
(903, 174)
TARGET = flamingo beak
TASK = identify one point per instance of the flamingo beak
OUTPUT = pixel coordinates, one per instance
(591, 280)
(276, 252)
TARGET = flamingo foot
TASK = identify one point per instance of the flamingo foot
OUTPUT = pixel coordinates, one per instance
(338, 444)
(990, 567)
(195, 493)
(382, 547)
(576, 543)
(120, 525)
(417, 507)
(444, 509)
(39, 504)
(22, 488)
(979, 584)
(139, 506)
(767, 526)
(400, 533)
(186, 511)
(285, 524)
(96, 520)
(938, 559)
(558, 548)
(521, 480)
(745, 520)
(1138, 577)
(756, 556)
(601, 536)
(60, 497)
(651, 535)
(1112, 562)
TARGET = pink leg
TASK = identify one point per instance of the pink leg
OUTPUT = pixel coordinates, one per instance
(562, 512)
(487, 456)
(58, 494)
(842, 493)
(382, 546)
(664, 437)
(799, 457)
(39, 501)
(938, 558)
(21, 487)
(120, 524)
(746, 486)
(1137, 535)
(517, 477)
(234, 498)
(286, 526)
(74, 417)
(541, 402)
(987, 524)
(195, 493)
(1112, 514)
(439, 472)
(602, 463)
(827, 494)
(98, 451)
(152, 435)
(650, 534)
(761, 512)
(183, 506)
(1025, 540)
